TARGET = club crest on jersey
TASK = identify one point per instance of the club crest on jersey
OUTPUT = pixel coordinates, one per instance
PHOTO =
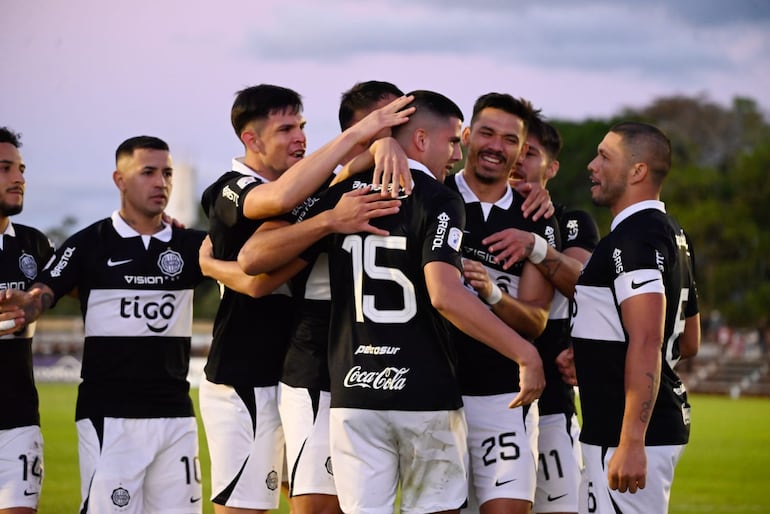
(272, 480)
(28, 266)
(572, 230)
(120, 497)
(170, 263)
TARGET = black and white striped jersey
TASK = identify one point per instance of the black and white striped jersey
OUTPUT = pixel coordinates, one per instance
(24, 251)
(481, 369)
(250, 334)
(136, 296)
(645, 252)
(577, 229)
(389, 347)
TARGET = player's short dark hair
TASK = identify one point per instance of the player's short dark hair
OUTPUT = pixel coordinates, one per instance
(363, 95)
(547, 135)
(9, 136)
(431, 103)
(258, 102)
(127, 147)
(646, 143)
(517, 106)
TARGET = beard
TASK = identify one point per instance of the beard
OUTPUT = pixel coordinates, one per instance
(10, 210)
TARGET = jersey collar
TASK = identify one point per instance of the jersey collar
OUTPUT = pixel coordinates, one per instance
(241, 167)
(469, 196)
(124, 230)
(9, 231)
(633, 209)
(417, 165)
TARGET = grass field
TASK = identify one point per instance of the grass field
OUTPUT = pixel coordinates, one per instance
(724, 469)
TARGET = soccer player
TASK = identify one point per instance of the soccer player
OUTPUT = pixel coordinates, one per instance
(24, 251)
(560, 459)
(502, 442)
(396, 411)
(134, 275)
(635, 307)
(239, 394)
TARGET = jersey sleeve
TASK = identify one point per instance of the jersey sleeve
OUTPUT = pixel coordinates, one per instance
(229, 197)
(691, 309)
(443, 234)
(578, 229)
(63, 270)
(638, 261)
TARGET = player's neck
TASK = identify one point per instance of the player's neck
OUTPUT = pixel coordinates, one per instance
(489, 192)
(143, 224)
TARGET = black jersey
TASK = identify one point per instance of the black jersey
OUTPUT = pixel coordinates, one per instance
(23, 252)
(645, 252)
(578, 230)
(389, 348)
(250, 334)
(483, 370)
(136, 296)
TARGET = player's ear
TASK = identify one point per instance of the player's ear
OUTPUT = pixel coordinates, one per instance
(420, 139)
(465, 137)
(552, 170)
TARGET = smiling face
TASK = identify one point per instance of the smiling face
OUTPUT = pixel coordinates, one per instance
(609, 171)
(145, 181)
(12, 181)
(494, 141)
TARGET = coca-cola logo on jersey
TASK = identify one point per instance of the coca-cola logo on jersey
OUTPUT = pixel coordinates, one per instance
(388, 379)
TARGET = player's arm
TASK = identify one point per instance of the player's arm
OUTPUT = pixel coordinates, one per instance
(391, 167)
(466, 312)
(689, 341)
(562, 269)
(528, 312)
(230, 273)
(537, 199)
(307, 175)
(643, 318)
(272, 247)
(24, 307)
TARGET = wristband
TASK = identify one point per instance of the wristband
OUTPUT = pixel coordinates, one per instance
(494, 296)
(539, 250)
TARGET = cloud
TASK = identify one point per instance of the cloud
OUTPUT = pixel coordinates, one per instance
(658, 38)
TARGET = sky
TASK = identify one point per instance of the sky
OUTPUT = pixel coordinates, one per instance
(81, 76)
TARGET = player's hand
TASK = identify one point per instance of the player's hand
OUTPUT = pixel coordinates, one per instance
(17, 308)
(565, 362)
(510, 246)
(531, 380)
(537, 199)
(391, 168)
(391, 115)
(627, 469)
(172, 221)
(355, 209)
(477, 277)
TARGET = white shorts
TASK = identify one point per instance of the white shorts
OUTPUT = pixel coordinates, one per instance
(373, 451)
(139, 466)
(560, 463)
(596, 495)
(245, 441)
(21, 467)
(305, 419)
(503, 448)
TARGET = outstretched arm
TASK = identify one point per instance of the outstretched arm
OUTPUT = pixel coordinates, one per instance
(561, 269)
(466, 312)
(269, 248)
(307, 175)
(231, 275)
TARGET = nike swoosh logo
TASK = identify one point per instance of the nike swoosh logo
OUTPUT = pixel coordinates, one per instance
(554, 498)
(195, 500)
(637, 285)
(112, 263)
(498, 483)
(33, 493)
